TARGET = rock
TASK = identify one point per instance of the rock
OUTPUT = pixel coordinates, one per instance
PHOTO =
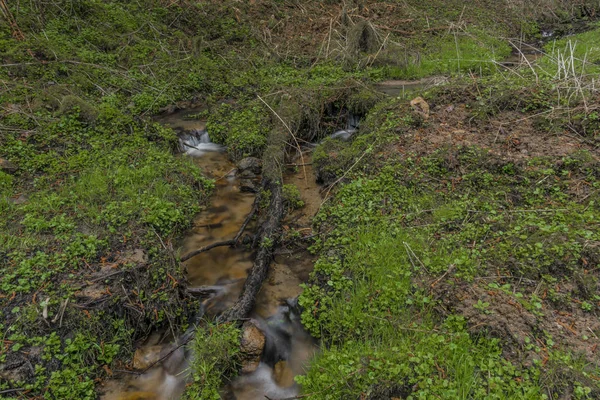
(420, 106)
(283, 375)
(248, 185)
(251, 346)
(7, 166)
(247, 174)
(146, 356)
(251, 164)
(16, 368)
(19, 200)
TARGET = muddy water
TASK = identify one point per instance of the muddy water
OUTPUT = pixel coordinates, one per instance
(288, 347)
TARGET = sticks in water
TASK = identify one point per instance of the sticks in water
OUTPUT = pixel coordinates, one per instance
(232, 242)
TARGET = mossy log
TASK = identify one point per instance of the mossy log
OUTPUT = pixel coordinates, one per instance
(268, 234)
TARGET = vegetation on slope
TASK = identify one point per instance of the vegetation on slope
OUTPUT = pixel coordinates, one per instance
(93, 195)
(460, 260)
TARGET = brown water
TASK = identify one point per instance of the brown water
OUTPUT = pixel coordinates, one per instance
(227, 269)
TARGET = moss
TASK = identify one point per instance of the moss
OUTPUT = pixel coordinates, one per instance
(242, 129)
(74, 104)
(362, 101)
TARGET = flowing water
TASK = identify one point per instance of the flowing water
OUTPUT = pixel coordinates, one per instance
(288, 347)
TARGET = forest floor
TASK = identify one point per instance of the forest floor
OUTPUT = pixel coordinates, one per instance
(458, 247)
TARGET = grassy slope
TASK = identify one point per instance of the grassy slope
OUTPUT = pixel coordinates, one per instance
(96, 180)
(461, 258)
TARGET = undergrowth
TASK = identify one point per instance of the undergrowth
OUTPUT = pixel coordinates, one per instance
(93, 195)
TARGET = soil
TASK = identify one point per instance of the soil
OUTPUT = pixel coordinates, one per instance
(512, 137)
(509, 320)
(509, 136)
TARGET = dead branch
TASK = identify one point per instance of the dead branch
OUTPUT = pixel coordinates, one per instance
(204, 291)
(194, 253)
(267, 238)
(232, 242)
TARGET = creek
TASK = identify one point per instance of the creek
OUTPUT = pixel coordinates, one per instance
(224, 269)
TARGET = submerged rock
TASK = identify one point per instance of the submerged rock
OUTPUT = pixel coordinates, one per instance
(146, 356)
(251, 346)
(283, 375)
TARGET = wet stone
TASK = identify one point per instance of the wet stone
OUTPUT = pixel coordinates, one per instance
(283, 375)
(247, 174)
(146, 356)
(251, 346)
(248, 186)
(251, 164)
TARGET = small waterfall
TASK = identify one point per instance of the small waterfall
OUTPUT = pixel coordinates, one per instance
(196, 143)
(287, 350)
(352, 124)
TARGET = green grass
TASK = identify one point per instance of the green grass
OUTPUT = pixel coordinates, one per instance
(573, 56)
(216, 357)
(403, 221)
(91, 194)
(384, 333)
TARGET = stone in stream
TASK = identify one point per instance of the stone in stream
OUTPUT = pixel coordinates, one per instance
(283, 375)
(248, 186)
(250, 164)
(248, 170)
(146, 356)
(251, 346)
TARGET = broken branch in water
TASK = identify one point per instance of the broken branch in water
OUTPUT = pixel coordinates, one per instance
(204, 291)
(194, 253)
(232, 242)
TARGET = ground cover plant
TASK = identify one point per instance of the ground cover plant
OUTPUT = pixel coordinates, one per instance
(468, 234)
(94, 196)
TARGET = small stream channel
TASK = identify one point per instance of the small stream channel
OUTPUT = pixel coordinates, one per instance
(288, 347)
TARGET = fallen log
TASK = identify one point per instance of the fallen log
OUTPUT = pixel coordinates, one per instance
(267, 238)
